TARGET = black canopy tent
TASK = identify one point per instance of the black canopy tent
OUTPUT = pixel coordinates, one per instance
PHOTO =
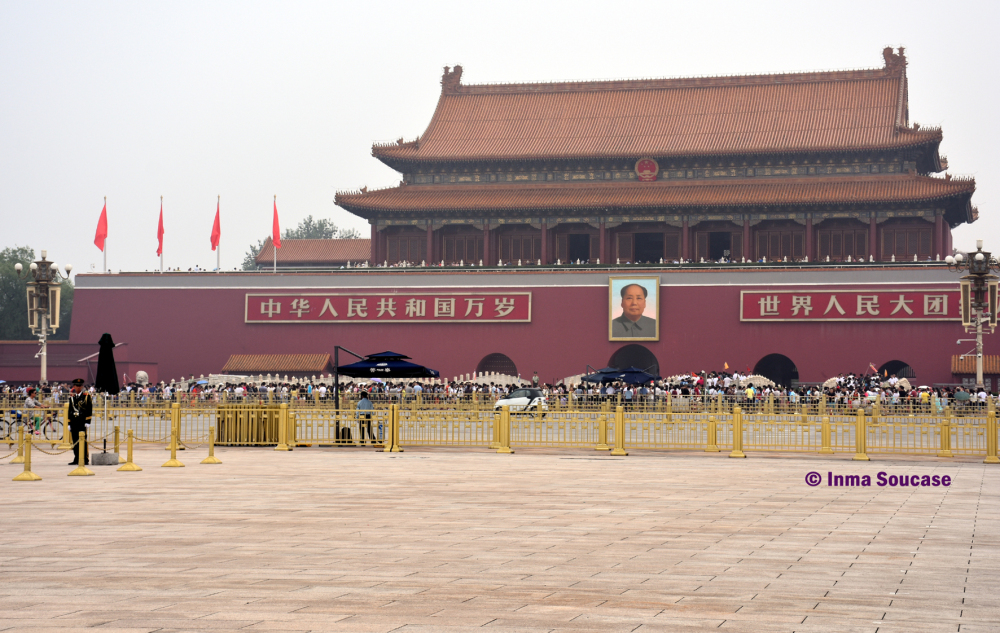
(382, 365)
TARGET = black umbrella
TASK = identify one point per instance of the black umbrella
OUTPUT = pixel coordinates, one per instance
(631, 376)
(386, 365)
(601, 375)
(107, 375)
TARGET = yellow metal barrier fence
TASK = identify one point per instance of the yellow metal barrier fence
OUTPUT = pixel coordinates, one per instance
(285, 426)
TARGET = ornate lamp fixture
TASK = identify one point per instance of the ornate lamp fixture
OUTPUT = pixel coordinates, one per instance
(44, 292)
(979, 296)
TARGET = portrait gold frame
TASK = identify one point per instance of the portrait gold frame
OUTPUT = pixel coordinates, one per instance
(611, 305)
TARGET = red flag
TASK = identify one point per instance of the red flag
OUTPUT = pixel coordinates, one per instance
(102, 227)
(159, 231)
(276, 230)
(216, 229)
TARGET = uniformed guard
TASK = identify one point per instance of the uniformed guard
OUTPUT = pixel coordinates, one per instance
(80, 411)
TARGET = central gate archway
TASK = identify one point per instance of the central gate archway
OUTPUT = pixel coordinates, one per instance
(898, 367)
(635, 355)
(778, 368)
(497, 362)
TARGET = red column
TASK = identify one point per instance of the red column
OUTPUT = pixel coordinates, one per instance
(746, 239)
(486, 244)
(604, 244)
(374, 244)
(872, 237)
(809, 239)
(545, 242)
(430, 243)
(938, 236)
(685, 252)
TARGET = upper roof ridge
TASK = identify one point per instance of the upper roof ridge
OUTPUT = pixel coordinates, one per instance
(895, 64)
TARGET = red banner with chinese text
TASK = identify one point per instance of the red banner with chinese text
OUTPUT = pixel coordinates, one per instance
(849, 305)
(395, 307)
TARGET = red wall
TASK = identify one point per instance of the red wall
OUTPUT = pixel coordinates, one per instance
(194, 331)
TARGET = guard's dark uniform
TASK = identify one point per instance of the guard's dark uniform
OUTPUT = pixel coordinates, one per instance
(81, 409)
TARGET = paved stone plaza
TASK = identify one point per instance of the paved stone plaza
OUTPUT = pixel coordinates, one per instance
(456, 540)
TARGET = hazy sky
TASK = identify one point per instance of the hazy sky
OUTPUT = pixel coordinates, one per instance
(190, 100)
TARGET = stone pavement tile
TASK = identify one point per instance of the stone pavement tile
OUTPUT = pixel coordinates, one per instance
(268, 539)
(77, 629)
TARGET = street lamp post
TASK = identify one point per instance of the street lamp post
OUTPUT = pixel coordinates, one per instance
(43, 303)
(979, 296)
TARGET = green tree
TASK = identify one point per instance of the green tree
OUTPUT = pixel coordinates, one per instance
(14, 298)
(308, 229)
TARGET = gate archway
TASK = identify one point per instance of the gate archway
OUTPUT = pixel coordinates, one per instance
(778, 368)
(635, 355)
(497, 362)
(898, 367)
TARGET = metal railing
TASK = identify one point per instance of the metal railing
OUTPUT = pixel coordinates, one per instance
(284, 426)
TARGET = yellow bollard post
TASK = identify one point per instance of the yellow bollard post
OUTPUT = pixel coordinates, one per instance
(173, 462)
(129, 465)
(945, 448)
(81, 469)
(713, 436)
(27, 475)
(504, 431)
(822, 405)
(20, 447)
(394, 413)
(66, 438)
(991, 436)
(737, 433)
(497, 416)
(175, 417)
(282, 428)
(118, 445)
(602, 432)
(826, 449)
(619, 450)
(212, 459)
(861, 438)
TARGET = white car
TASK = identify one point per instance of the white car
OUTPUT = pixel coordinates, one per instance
(524, 401)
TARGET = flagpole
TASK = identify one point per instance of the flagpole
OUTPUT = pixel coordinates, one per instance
(218, 249)
(161, 248)
(274, 269)
(105, 251)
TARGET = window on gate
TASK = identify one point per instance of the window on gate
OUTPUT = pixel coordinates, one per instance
(778, 244)
(525, 247)
(406, 248)
(904, 243)
(461, 248)
(838, 244)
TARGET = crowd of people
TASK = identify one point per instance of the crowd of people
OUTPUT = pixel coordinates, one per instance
(844, 391)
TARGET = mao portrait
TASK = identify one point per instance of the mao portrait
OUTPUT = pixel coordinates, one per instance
(634, 309)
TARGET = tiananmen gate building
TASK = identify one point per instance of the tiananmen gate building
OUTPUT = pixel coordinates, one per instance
(791, 224)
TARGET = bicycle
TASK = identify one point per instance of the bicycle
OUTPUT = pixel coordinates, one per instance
(37, 422)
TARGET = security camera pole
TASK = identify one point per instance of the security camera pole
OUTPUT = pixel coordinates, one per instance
(979, 296)
(43, 303)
